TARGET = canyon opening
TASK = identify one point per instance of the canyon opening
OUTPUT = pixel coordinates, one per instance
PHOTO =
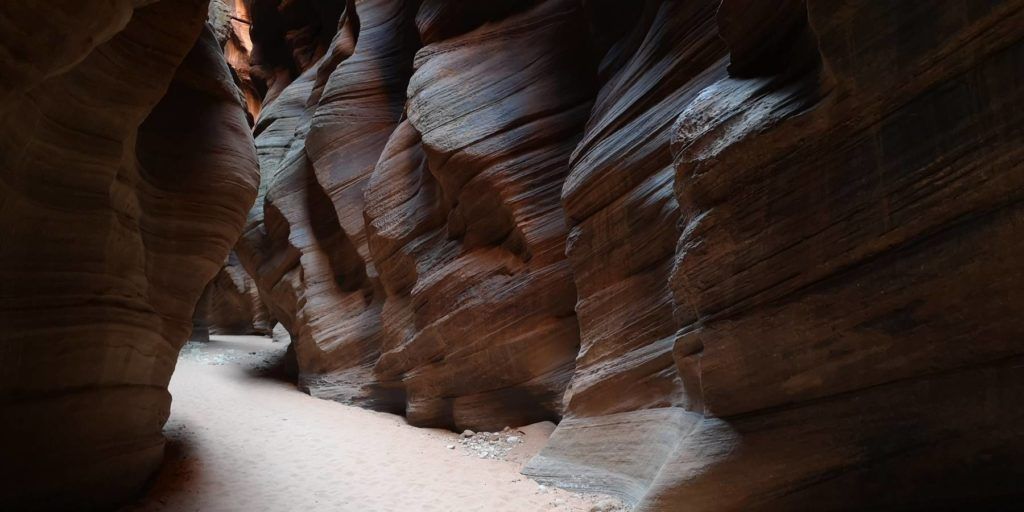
(511, 255)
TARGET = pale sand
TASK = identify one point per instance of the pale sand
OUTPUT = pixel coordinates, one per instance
(241, 441)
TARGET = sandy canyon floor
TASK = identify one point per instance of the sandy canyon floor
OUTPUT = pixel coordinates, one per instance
(240, 439)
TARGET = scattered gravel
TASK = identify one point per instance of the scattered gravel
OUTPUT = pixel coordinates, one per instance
(195, 351)
(203, 352)
(497, 445)
(490, 445)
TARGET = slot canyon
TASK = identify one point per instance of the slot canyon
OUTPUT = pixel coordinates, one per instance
(522, 255)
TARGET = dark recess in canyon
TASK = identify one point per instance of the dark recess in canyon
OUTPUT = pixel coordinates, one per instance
(749, 255)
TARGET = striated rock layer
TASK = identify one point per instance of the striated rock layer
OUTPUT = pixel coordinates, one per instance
(126, 168)
(231, 24)
(232, 303)
(465, 225)
(418, 264)
(625, 403)
(754, 255)
(844, 277)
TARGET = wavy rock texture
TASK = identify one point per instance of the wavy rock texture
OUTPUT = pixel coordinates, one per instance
(126, 168)
(466, 229)
(42, 40)
(619, 197)
(288, 37)
(233, 304)
(314, 277)
(390, 276)
(361, 87)
(766, 251)
(847, 267)
(752, 255)
(843, 277)
(232, 24)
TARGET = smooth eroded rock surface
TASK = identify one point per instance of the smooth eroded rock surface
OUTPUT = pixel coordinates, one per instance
(734, 247)
(844, 277)
(231, 303)
(749, 255)
(419, 264)
(465, 225)
(125, 174)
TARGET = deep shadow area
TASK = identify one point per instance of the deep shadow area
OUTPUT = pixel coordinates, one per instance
(279, 366)
(180, 467)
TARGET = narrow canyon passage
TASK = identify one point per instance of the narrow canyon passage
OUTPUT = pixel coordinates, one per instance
(706, 255)
(241, 439)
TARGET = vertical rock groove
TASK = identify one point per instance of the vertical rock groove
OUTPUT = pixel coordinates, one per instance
(748, 255)
(760, 238)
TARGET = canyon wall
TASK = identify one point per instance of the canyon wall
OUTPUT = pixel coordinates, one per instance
(751, 256)
(432, 283)
(126, 169)
(843, 280)
(231, 303)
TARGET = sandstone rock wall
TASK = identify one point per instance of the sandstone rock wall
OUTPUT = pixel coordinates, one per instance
(465, 221)
(231, 23)
(232, 304)
(827, 288)
(626, 394)
(126, 168)
(755, 255)
(391, 277)
(853, 290)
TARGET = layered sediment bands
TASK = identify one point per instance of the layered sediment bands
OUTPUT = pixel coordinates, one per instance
(391, 290)
(619, 198)
(843, 277)
(443, 19)
(755, 257)
(233, 304)
(465, 225)
(125, 174)
(363, 85)
(849, 258)
(309, 258)
(266, 249)
(279, 247)
(232, 24)
(41, 40)
(289, 37)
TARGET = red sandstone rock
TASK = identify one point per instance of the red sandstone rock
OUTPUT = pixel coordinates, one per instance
(489, 242)
(626, 392)
(846, 278)
(361, 87)
(232, 23)
(234, 305)
(741, 284)
(839, 344)
(125, 179)
(754, 257)
(465, 225)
